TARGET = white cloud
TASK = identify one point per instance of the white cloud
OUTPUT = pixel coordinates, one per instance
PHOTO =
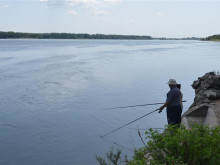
(71, 12)
(97, 7)
(160, 14)
(99, 12)
(129, 22)
(5, 6)
(112, 1)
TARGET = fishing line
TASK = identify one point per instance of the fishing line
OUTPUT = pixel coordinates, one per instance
(130, 123)
(109, 141)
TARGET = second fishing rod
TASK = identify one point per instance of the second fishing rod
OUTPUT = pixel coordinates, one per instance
(132, 106)
(135, 119)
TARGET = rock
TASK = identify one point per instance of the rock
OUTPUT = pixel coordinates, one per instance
(206, 88)
(213, 115)
(206, 106)
(198, 111)
(216, 80)
(196, 84)
(212, 94)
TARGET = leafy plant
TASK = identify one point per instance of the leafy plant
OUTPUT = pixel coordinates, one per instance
(138, 158)
(101, 160)
(175, 146)
(113, 158)
(179, 146)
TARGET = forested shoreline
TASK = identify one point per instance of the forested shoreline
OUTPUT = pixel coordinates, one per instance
(213, 38)
(18, 35)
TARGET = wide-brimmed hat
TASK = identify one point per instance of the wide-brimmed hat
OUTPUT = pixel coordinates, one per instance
(172, 82)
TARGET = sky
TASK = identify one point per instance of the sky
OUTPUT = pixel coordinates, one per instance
(156, 18)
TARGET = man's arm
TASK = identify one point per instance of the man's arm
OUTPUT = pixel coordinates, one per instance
(165, 105)
(169, 100)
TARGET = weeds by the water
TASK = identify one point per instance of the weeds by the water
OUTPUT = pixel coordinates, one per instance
(200, 145)
(113, 157)
(175, 146)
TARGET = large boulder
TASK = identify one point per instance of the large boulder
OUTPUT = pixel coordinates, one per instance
(206, 106)
(207, 88)
(212, 94)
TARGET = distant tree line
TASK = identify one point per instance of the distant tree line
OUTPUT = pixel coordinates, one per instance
(211, 38)
(18, 35)
(186, 38)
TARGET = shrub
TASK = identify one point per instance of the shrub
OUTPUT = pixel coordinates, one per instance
(179, 146)
(113, 158)
(139, 158)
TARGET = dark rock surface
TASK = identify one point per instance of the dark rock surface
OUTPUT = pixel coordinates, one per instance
(206, 106)
(207, 88)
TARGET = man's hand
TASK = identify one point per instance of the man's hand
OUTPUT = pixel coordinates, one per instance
(161, 108)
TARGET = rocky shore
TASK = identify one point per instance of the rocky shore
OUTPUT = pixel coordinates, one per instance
(205, 109)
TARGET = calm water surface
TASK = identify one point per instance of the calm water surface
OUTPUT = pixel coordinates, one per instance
(52, 93)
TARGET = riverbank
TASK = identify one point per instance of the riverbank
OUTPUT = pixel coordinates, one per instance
(19, 35)
(200, 131)
(212, 38)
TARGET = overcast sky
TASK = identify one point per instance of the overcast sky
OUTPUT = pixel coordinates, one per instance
(199, 18)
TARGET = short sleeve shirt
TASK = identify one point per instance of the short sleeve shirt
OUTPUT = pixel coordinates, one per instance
(174, 97)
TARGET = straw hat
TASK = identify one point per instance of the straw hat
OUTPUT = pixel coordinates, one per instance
(172, 82)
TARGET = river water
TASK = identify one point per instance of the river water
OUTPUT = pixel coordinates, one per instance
(52, 93)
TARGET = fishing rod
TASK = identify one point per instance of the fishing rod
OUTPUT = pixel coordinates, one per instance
(131, 106)
(129, 123)
(145, 128)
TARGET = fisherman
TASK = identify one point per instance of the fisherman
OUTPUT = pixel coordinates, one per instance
(173, 104)
(181, 99)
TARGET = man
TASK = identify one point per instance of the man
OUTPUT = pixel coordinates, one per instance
(173, 104)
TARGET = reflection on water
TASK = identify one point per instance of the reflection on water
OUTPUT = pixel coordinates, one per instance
(52, 92)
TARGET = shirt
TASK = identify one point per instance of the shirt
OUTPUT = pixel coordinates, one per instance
(174, 97)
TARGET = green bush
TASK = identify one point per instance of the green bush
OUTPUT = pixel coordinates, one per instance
(139, 158)
(113, 158)
(179, 146)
